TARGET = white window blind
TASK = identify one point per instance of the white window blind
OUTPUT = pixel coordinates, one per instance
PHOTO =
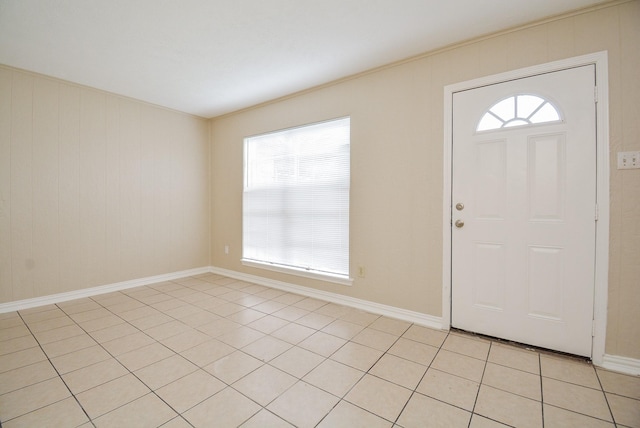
(296, 198)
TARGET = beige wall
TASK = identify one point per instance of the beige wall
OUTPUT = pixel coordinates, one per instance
(397, 155)
(95, 188)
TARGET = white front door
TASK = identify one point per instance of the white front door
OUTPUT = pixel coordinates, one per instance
(524, 200)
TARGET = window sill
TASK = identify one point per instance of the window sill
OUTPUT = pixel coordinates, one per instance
(336, 279)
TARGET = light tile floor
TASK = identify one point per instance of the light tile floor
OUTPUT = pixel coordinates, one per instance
(210, 351)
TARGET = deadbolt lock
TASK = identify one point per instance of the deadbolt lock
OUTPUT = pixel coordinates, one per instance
(459, 206)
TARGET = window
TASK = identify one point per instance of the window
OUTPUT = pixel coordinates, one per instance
(296, 200)
(518, 110)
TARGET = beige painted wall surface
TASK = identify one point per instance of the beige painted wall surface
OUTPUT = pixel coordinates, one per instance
(95, 189)
(396, 155)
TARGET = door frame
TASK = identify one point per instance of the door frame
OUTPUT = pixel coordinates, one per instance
(601, 277)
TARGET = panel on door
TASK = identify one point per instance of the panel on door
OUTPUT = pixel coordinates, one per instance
(523, 238)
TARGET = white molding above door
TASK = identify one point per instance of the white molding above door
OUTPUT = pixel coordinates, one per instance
(599, 59)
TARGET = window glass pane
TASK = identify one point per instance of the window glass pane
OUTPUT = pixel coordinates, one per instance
(489, 121)
(547, 113)
(505, 109)
(515, 122)
(527, 104)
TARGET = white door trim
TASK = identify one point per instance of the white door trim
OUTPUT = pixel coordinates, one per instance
(600, 60)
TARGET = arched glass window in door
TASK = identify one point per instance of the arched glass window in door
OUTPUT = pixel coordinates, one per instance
(518, 110)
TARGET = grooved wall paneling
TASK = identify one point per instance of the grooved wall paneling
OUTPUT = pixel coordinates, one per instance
(95, 189)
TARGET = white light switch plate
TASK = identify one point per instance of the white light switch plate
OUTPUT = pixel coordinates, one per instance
(628, 160)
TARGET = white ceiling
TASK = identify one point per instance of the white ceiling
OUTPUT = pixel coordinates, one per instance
(210, 57)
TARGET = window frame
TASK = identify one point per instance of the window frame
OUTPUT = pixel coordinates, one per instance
(343, 279)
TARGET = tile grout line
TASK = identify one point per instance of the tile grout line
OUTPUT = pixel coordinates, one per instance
(179, 414)
(200, 368)
(484, 369)
(340, 399)
(362, 323)
(369, 369)
(227, 385)
(541, 388)
(606, 398)
(55, 369)
(415, 390)
(573, 411)
(268, 363)
(107, 351)
(151, 391)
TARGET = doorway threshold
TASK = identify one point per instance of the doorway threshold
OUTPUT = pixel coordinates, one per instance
(524, 346)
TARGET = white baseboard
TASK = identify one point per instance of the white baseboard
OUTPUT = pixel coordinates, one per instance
(365, 305)
(94, 291)
(377, 308)
(615, 363)
(624, 365)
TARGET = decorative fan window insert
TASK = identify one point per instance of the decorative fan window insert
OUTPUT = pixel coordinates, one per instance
(518, 110)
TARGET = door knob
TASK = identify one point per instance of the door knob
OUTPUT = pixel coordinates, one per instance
(459, 206)
(459, 223)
